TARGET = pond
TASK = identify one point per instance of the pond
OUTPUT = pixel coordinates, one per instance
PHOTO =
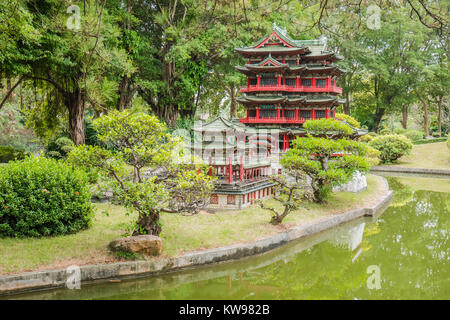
(401, 254)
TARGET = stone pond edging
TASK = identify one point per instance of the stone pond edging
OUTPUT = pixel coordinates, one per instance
(32, 281)
(410, 170)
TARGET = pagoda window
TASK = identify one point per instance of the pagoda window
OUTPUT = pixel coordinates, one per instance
(306, 82)
(231, 199)
(252, 113)
(290, 82)
(305, 114)
(267, 113)
(320, 114)
(253, 81)
(289, 114)
(214, 199)
(291, 62)
(269, 81)
(321, 83)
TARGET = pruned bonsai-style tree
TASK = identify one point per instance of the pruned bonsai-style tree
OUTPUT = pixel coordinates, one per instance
(290, 192)
(327, 156)
(141, 167)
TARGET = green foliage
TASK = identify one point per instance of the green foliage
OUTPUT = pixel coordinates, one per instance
(366, 138)
(448, 141)
(59, 148)
(9, 154)
(385, 131)
(128, 255)
(373, 156)
(426, 141)
(391, 147)
(43, 197)
(13, 131)
(349, 119)
(290, 192)
(142, 141)
(327, 128)
(327, 162)
(412, 135)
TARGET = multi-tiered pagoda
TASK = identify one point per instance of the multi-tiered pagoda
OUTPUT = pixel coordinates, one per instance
(288, 82)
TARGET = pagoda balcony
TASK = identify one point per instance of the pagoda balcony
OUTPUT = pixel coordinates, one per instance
(279, 120)
(256, 88)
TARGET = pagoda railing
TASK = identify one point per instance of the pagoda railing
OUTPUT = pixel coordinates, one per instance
(279, 120)
(253, 88)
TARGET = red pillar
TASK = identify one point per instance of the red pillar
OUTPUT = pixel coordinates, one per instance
(334, 114)
(257, 113)
(313, 114)
(258, 81)
(230, 171)
(241, 169)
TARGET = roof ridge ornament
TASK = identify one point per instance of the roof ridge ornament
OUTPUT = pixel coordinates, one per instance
(275, 27)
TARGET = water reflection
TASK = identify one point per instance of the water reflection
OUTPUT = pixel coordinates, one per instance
(408, 242)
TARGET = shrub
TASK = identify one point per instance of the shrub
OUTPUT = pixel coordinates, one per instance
(436, 135)
(349, 119)
(59, 148)
(414, 135)
(9, 153)
(43, 197)
(373, 156)
(427, 141)
(385, 131)
(366, 138)
(391, 147)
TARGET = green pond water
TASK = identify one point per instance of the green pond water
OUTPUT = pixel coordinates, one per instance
(408, 244)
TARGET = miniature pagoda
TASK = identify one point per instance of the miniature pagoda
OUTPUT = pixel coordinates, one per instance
(288, 82)
(243, 175)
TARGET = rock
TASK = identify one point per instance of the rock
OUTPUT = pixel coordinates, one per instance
(356, 185)
(144, 244)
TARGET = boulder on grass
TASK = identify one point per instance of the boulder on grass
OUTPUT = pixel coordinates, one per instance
(144, 244)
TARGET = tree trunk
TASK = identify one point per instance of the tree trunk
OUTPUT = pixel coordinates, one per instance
(75, 105)
(439, 117)
(425, 117)
(377, 120)
(232, 102)
(148, 224)
(404, 117)
(126, 93)
(347, 103)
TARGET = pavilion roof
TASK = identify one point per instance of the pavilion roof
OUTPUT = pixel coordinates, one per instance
(220, 124)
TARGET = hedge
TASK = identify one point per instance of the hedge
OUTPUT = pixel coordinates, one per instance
(43, 197)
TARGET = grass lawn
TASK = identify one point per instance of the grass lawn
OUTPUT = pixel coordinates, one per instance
(431, 156)
(180, 233)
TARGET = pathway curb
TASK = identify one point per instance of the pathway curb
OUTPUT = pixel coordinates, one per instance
(32, 281)
(410, 170)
